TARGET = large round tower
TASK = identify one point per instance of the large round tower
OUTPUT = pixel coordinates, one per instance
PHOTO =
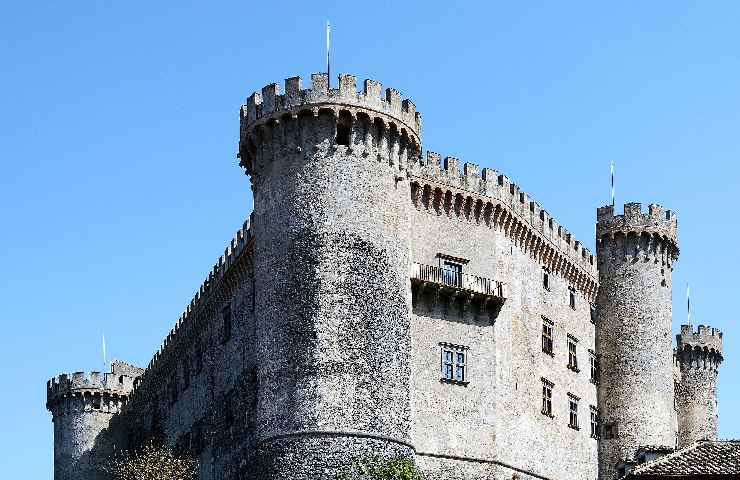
(331, 263)
(699, 354)
(636, 252)
(82, 405)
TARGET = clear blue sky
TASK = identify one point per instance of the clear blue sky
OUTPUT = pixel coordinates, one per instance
(119, 128)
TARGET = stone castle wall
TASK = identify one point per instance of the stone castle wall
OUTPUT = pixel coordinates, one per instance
(636, 252)
(494, 424)
(317, 338)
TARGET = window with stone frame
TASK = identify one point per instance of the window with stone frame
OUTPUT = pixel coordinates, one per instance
(547, 330)
(594, 422)
(594, 366)
(547, 387)
(454, 363)
(226, 317)
(573, 353)
(546, 279)
(573, 410)
(611, 430)
(594, 313)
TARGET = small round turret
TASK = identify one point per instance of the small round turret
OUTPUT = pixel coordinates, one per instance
(636, 252)
(82, 405)
(699, 354)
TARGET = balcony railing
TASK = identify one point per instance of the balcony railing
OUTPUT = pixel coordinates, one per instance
(457, 280)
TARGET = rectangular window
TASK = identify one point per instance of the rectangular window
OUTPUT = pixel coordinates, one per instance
(573, 407)
(572, 353)
(547, 397)
(611, 431)
(547, 336)
(594, 364)
(572, 299)
(546, 280)
(593, 314)
(594, 422)
(226, 316)
(454, 363)
(452, 273)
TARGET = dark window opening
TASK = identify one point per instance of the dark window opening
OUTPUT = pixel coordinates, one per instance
(96, 403)
(594, 422)
(573, 353)
(573, 408)
(611, 431)
(594, 364)
(572, 300)
(547, 397)
(547, 336)
(546, 280)
(452, 273)
(344, 127)
(593, 314)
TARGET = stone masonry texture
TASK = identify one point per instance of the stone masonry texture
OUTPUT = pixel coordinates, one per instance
(381, 303)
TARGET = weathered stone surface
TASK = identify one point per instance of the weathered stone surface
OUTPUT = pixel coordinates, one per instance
(317, 340)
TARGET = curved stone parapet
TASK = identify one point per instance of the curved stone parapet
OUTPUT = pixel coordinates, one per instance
(270, 103)
(704, 338)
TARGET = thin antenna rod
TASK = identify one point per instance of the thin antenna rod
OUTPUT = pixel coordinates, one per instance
(105, 359)
(328, 63)
(611, 165)
(688, 303)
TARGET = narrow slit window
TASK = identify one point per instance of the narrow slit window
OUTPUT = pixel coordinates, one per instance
(573, 408)
(547, 336)
(573, 353)
(594, 365)
(547, 397)
(594, 422)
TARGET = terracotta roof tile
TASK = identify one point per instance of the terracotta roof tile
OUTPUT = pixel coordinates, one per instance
(702, 458)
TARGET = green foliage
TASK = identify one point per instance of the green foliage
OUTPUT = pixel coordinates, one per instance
(385, 469)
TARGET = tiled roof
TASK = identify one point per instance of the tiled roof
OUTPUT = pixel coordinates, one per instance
(707, 457)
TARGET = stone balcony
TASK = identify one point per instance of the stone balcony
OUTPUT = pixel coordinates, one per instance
(448, 287)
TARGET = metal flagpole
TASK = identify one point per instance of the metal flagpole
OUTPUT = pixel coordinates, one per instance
(104, 355)
(328, 64)
(611, 165)
(688, 303)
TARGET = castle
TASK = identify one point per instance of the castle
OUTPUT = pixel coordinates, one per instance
(379, 303)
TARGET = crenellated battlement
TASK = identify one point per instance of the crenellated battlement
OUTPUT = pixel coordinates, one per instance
(650, 235)
(236, 247)
(116, 382)
(703, 337)
(655, 221)
(488, 197)
(271, 104)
